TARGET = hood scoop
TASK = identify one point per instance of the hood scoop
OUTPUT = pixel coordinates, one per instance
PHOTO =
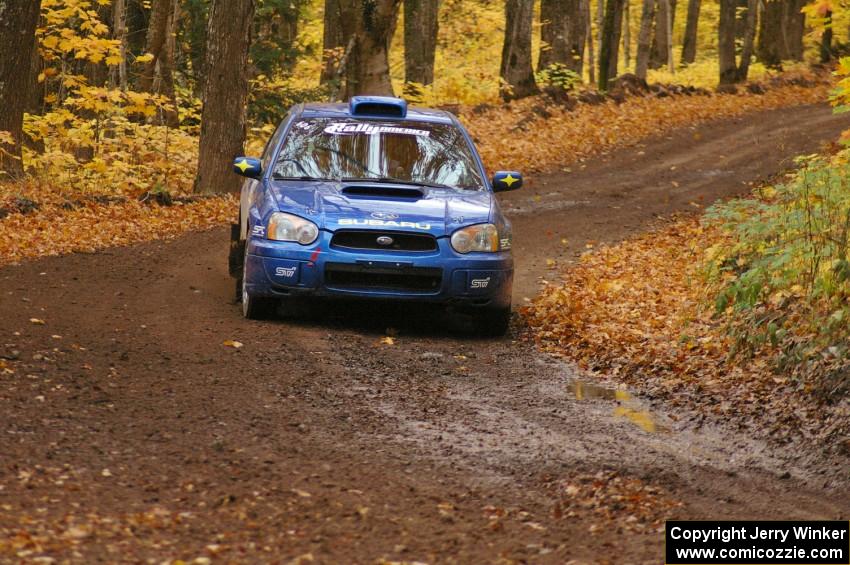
(380, 191)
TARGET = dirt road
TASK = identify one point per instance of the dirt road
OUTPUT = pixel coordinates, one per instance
(130, 432)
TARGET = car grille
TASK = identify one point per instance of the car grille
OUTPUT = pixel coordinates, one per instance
(368, 239)
(352, 276)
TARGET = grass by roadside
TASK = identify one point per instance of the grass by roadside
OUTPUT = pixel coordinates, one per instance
(42, 217)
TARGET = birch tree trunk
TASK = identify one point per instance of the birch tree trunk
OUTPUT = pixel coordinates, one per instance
(119, 32)
(369, 26)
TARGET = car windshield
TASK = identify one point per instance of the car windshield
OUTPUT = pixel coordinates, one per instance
(410, 152)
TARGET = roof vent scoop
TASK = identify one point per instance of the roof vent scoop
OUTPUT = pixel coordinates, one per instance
(377, 106)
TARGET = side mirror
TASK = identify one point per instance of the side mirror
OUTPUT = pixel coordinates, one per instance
(248, 167)
(506, 180)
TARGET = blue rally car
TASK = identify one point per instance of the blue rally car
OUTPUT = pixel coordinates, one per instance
(373, 200)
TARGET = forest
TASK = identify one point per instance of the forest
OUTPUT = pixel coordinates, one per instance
(677, 337)
(138, 94)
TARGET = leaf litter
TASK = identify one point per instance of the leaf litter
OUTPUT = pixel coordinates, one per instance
(642, 313)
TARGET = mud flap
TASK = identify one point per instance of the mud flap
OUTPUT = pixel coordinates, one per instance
(237, 252)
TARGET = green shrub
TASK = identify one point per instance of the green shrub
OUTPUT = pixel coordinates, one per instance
(558, 76)
(782, 273)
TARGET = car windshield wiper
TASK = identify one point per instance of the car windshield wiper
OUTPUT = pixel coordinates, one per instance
(399, 181)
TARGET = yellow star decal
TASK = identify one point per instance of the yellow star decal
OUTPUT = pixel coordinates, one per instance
(244, 165)
(509, 180)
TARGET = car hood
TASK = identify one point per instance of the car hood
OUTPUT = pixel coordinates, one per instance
(398, 207)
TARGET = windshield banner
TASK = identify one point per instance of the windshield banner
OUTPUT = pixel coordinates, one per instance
(342, 128)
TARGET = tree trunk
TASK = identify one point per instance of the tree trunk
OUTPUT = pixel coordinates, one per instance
(332, 40)
(726, 42)
(750, 19)
(689, 44)
(826, 39)
(600, 19)
(660, 50)
(562, 34)
(609, 41)
(578, 28)
(588, 30)
(161, 12)
(158, 74)
(671, 66)
(614, 57)
(627, 35)
(644, 38)
(516, 71)
(18, 20)
(224, 116)
(730, 72)
(164, 83)
(370, 24)
(420, 40)
(119, 33)
(793, 26)
(35, 95)
(772, 49)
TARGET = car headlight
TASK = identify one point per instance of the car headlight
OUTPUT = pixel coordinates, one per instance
(286, 227)
(481, 237)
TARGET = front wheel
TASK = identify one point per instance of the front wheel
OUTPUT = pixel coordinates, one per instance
(492, 322)
(254, 307)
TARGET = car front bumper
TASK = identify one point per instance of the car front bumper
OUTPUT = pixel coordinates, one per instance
(275, 268)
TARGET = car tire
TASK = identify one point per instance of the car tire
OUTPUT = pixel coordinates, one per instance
(254, 307)
(492, 322)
